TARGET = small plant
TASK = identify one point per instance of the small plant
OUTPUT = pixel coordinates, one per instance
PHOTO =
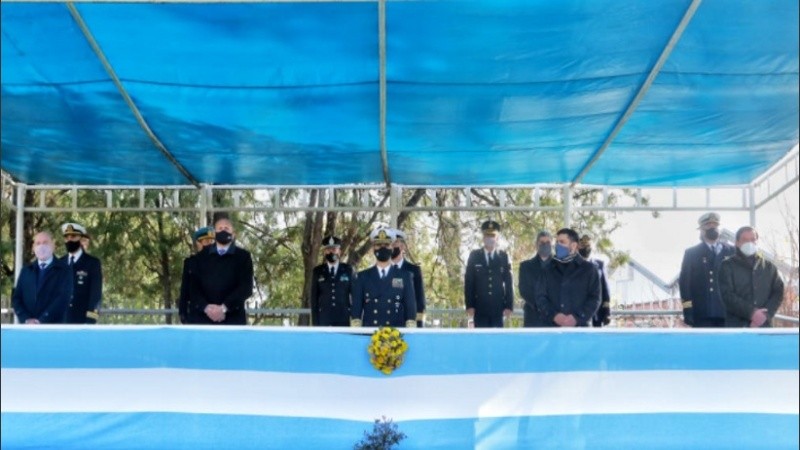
(384, 436)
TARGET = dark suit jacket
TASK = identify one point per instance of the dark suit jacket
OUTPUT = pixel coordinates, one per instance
(87, 289)
(571, 288)
(699, 282)
(49, 303)
(531, 276)
(419, 288)
(604, 312)
(330, 296)
(226, 279)
(184, 298)
(488, 288)
(384, 302)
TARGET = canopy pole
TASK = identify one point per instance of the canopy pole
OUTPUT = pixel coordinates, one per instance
(751, 191)
(567, 206)
(19, 230)
(76, 16)
(673, 41)
(382, 89)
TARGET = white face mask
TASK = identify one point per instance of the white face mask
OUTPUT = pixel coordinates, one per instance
(43, 252)
(749, 248)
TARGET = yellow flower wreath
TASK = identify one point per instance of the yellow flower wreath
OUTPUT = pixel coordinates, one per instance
(387, 349)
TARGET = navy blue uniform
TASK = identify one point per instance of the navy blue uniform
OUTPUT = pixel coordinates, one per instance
(488, 287)
(384, 302)
(330, 295)
(604, 312)
(184, 298)
(571, 288)
(419, 289)
(43, 294)
(221, 279)
(531, 275)
(699, 285)
(87, 289)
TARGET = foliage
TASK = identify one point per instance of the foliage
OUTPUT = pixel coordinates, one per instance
(387, 349)
(384, 436)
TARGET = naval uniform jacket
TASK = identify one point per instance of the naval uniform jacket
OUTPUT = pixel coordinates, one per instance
(384, 302)
(488, 287)
(330, 295)
(45, 300)
(604, 311)
(419, 289)
(699, 283)
(531, 276)
(87, 289)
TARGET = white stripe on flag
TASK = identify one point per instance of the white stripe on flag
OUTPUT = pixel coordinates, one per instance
(402, 398)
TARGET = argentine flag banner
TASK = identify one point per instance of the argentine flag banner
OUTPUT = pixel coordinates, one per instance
(170, 387)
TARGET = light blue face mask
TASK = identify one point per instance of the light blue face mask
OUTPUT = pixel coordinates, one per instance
(562, 251)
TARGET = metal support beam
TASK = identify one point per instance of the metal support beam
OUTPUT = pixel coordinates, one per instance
(567, 206)
(673, 41)
(19, 229)
(751, 205)
(387, 177)
(204, 200)
(76, 16)
(395, 204)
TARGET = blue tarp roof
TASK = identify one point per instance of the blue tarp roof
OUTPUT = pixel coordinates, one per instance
(477, 92)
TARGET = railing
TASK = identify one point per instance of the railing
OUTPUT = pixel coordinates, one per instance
(435, 318)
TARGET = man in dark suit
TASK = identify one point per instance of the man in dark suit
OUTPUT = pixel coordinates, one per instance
(201, 239)
(488, 283)
(44, 287)
(603, 315)
(331, 287)
(399, 249)
(571, 292)
(531, 274)
(383, 294)
(87, 271)
(699, 283)
(224, 280)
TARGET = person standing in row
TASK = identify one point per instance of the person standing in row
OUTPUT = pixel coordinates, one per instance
(87, 271)
(224, 280)
(750, 286)
(399, 249)
(488, 283)
(44, 287)
(571, 293)
(383, 294)
(531, 275)
(201, 239)
(603, 315)
(332, 287)
(699, 285)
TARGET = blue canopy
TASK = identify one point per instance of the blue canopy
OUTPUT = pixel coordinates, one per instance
(492, 92)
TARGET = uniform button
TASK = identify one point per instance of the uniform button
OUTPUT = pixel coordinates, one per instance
(334, 304)
(711, 272)
(387, 322)
(711, 280)
(388, 311)
(711, 289)
(375, 322)
(333, 296)
(375, 311)
(389, 301)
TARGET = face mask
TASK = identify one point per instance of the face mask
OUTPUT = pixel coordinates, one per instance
(712, 234)
(383, 254)
(749, 248)
(545, 250)
(395, 252)
(43, 252)
(489, 241)
(562, 252)
(331, 257)
(72, 246)
(223, 237)
(585, 252)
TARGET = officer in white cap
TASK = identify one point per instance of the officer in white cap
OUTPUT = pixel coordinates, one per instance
(87, 271)
(699, 285)
(399, 250)
(383, 294)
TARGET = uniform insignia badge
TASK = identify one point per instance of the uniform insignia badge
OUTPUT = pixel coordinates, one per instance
(397, 305)
(397, 283)
(345, 278)
(321, 279)
(82, 273)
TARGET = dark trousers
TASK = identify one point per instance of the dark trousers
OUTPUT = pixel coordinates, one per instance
(709, 322)
(483, 320)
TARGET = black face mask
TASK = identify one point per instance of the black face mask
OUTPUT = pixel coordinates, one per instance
(395, 252)
(223, 237)
(383, 254)
(72, 246)
(712, 234)
(331, 257)
(585, 252)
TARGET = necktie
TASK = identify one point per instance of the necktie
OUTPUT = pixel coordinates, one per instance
(383, 273)
(42, 266)
(71, 260)
(333, 271)
(221, 251)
